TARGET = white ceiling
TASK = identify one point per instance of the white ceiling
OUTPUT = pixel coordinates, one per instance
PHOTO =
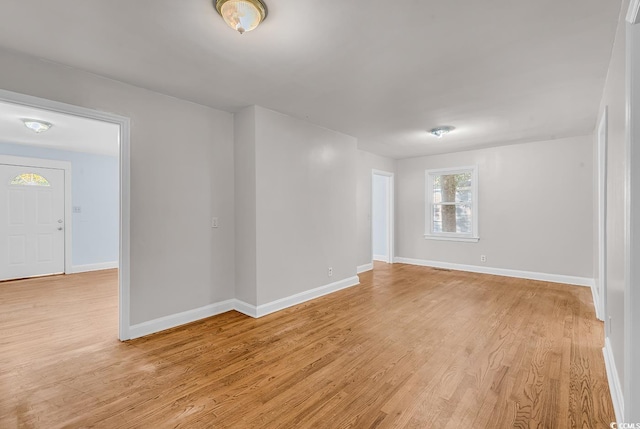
(67, 133)
(501, 71)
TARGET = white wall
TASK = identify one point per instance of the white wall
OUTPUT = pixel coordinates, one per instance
(95, 188)
(380, 215)
(365, 163)
(305, 205)
(535, 210)
(181, 175)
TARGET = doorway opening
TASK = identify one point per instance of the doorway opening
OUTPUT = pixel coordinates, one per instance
(382, 216)
(69, 196)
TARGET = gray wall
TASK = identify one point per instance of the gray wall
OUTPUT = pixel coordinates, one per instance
(535, 208)
(632, 285)
(181, 175)
(245, 205)
(305, 205)
(365, 163)
(614, 96)
(295, 187)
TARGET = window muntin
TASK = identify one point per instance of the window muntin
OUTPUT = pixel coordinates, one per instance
(451, 211)
(30, 179)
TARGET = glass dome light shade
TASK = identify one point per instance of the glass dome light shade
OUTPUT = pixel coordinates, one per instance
(242, 15)
(36, 125)
(441, 131)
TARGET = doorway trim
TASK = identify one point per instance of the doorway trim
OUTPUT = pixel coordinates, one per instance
(55, 165)
(600, 292)
(125, 186)
(390, 212)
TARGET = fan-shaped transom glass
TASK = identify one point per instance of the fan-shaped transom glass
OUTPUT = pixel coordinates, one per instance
(30, 179)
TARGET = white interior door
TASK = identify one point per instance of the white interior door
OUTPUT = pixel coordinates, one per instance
(31, 221)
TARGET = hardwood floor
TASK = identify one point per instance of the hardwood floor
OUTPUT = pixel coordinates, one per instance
(411, 347)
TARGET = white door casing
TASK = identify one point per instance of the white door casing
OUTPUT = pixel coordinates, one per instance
(600, 295)
(125, 184)
(32, 222)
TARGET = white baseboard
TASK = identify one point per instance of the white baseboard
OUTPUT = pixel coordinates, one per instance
(168, 322)
(299, 298)
(93, 267)
(614, 382)
(365, 267)
(554, 278)
(381, 258)
(244, 308)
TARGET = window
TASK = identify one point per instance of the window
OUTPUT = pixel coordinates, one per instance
(30, 179)
(452, 204)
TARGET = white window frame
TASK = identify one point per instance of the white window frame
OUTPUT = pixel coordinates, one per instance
(451, 236)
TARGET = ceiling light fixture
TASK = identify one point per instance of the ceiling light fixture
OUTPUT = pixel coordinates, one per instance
(242, 15)
(441, 131)
(36, 125)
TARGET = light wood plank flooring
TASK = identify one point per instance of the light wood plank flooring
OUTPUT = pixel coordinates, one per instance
(411, 347)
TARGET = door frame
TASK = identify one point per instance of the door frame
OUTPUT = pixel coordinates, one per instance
(390, 212)
(600, 292)
(54, 165)
(124, 123)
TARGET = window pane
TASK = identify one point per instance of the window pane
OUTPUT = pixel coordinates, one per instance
(437, 218)
(30, 179)
(453, 218)
(452, 188)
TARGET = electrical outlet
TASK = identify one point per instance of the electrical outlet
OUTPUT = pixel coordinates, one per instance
(483, 258)
(330, 271)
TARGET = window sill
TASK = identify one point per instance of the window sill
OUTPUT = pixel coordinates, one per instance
(444, 238)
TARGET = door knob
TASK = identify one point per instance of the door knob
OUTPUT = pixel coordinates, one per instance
(59, 220)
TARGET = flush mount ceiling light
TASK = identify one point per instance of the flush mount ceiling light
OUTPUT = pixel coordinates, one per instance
(36, 125)
(242, 15)
(441, 131)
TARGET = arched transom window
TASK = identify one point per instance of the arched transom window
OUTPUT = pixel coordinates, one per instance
(30, 179)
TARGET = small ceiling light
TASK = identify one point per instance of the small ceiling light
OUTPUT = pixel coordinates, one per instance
(242, 15)
(441, 131)
(36, 125)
